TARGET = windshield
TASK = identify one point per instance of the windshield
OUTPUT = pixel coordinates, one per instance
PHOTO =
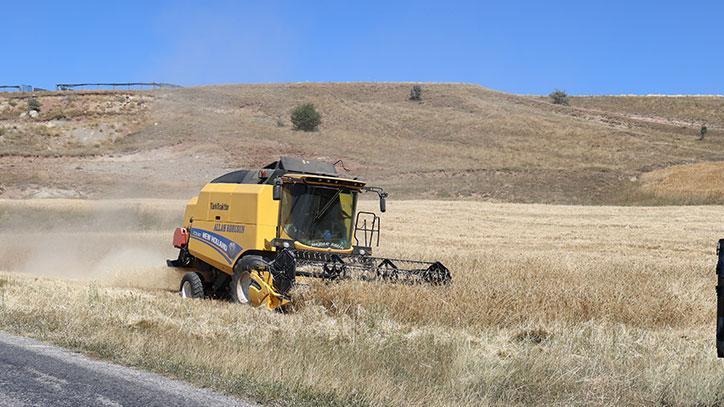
(317, 216)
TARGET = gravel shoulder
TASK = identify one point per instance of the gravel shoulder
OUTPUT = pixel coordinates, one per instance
(33, 373)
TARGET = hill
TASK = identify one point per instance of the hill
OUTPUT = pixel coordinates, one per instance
(550, 305)
(459, 142)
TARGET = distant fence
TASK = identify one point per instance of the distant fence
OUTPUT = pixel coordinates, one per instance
(16, 88)
(117, 85)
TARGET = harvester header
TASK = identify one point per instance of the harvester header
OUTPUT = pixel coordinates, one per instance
(249, 234)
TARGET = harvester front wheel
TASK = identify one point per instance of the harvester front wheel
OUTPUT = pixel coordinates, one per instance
(241, 281)
(191, 286)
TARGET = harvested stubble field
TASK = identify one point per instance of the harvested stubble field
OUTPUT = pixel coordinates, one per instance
(550, 304)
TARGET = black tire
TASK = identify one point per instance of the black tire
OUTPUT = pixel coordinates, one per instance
(191, 286)
(241, 279)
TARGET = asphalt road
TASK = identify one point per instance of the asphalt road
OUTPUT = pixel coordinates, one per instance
(36, 374)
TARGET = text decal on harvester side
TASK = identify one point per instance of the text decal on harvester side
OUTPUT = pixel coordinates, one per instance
(224, 227)
(219, 206)
(224, 246)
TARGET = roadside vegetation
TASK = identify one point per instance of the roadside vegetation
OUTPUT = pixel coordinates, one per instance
(549, 305)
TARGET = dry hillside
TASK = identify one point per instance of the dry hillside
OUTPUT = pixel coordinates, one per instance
(459, 142)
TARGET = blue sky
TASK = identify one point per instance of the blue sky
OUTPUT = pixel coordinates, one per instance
(584, 47)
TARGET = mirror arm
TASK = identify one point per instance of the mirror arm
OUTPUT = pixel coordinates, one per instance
(381, 193)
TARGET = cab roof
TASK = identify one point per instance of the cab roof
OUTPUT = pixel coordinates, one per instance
(326, 181)
(285, 166)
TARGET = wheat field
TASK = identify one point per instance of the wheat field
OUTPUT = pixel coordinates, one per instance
(549, 304)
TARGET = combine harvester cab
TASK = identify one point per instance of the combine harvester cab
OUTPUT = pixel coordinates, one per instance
(249, 234)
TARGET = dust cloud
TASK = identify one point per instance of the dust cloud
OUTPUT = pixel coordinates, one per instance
(118, 243)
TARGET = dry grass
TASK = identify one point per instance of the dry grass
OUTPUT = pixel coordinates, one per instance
(695, 182)
(71, 124)
(550, 304)
(686, 110)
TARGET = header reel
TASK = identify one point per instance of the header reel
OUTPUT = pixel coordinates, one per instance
(276, 279)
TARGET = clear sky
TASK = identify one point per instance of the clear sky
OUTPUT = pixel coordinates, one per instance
(583, 47)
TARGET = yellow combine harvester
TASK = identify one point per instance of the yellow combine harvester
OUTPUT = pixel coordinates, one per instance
(250, 233)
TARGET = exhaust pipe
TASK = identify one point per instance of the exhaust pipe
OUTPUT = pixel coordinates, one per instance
(720, 300)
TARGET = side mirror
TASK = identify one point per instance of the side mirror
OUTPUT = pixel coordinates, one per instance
(381, 193)
(277, 192)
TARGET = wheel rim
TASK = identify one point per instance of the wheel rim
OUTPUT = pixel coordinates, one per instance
(186, 289)
(242, 288)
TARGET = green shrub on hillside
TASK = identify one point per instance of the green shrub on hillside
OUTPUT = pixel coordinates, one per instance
(33, 104)
(416, 93)
(559, 97)
(306, 118)
(702, 132)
